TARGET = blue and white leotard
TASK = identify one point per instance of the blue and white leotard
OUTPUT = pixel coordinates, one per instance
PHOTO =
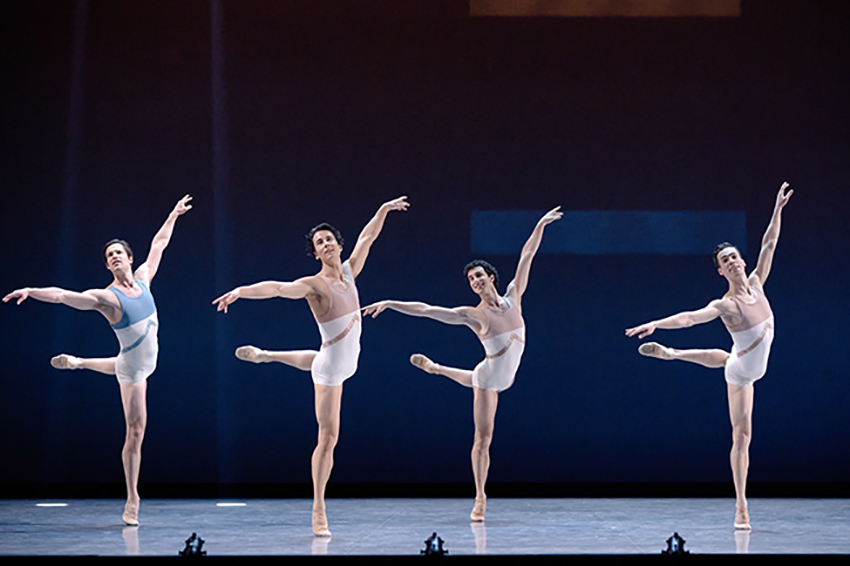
(137, 335)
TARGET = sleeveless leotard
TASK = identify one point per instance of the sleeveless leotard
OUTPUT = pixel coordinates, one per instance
(504, 344)
(340, 329)
(752, 338)
(137, 335)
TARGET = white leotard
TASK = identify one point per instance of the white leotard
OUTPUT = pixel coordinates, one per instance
(137, 335)
(340, 328)
(504, 344)
(752, 338)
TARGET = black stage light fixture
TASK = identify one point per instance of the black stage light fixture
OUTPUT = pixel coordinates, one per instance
(434, 546)
(193, 547)
(675, 546)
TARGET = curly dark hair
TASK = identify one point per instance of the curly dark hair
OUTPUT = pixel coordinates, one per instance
(489, 269)
(719, 248)
(311, 249)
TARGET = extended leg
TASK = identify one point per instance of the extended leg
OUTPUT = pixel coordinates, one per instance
(328, 402)
(484, 415)
(133, 397)
(741, 414)
(66, 361)
(462, 376)
(301, 359)
(708, 358)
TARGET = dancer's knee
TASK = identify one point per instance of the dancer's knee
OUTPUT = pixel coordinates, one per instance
(741, 436)
(135, 435)
(483, 438)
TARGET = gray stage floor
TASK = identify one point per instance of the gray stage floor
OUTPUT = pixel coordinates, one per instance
(400, 526)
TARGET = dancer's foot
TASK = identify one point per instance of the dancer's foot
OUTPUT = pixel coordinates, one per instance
(478, 509)
(423, 363)
(131, 514)
(320, 524)
(65, 361)
(742, 520)
(656, 350)
(251, 354)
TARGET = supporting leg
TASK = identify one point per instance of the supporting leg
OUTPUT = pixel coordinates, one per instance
(708, 358)
(66, 361)
(462, 376)
(301, 359)
(484, 416)
(741, 415)
(328, 403)
(133, 398)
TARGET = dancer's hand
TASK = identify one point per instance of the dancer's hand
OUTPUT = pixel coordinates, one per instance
(396, 204)
(182, 205)
(225, 300)
(20, 294)
(375, 309)
(551, 216)
(642, 331)
(782, 197)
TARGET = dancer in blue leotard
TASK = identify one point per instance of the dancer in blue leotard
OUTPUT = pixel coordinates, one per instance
(129, 307)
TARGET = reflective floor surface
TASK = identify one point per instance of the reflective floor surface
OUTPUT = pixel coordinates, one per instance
(400, 527)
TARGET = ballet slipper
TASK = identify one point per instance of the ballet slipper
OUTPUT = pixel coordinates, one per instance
(478, 509)
(251, 354)
(131, 514)
(656, 350)
(423, 363)
(320, 524)
(65, 361)
(742, 520)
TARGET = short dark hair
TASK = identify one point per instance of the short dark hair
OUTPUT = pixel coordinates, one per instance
(311, 248)
(117, 241)
(719, 248)
(489, 269)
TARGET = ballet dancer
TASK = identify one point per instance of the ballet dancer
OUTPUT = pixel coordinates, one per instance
(333, 299)
(747, 316)
(129, 307)
(498, 323)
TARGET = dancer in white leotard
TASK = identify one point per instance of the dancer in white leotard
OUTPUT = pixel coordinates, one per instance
(332, 296)
(498, 323)
(747, 316)
(129, 307)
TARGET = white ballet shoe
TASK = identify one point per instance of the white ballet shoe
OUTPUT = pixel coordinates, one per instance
(423, 363)
(250, 354)
(131, 514)
(656, 350)
(478, 510)
(65, 361)
(320, 524)
(742, 520)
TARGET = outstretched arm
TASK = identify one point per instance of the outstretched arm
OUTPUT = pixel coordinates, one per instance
(265, 290)
(370, 233)
(520, 281)
(459, 315)
(148, 269)
(681, 320)
(94, 299)
(771, 235)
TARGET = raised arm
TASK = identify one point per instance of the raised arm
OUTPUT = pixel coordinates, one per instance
(523, 268)
(708, 313)
(147, 270)
(266, 290)
(370, 233)
(94, 299)
(459, 315)
(771, 235)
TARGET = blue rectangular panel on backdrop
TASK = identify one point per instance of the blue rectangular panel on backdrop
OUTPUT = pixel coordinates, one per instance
(684, 232)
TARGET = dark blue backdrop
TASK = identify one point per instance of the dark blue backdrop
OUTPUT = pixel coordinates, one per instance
(321, 110)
